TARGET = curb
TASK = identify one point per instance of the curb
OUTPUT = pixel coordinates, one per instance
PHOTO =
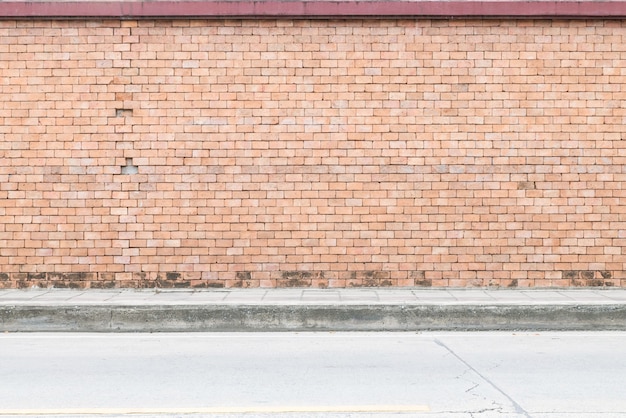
(302, 318)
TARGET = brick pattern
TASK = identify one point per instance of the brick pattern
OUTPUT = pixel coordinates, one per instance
(210, 153)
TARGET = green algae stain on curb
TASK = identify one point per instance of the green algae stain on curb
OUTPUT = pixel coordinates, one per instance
(260, 318)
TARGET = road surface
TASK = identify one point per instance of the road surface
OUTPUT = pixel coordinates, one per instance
(543, 375)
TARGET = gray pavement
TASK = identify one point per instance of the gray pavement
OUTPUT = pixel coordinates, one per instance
(314, 374)
(353, 309)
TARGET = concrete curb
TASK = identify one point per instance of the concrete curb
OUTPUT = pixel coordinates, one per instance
(265, 318)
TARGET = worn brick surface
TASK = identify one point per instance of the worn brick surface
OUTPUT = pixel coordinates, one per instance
(207, 153)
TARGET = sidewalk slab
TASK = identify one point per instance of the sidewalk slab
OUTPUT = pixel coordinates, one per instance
(353, 309)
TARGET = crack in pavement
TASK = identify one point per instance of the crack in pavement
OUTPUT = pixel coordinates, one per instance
(472, 388)
(518, 408)
(486, 410)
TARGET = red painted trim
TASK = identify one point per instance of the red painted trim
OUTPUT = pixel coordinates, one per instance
(312, 8)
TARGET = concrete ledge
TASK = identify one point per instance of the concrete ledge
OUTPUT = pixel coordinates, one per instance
(198, 318)
(46, 9)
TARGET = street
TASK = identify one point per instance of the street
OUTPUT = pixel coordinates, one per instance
(489, 374)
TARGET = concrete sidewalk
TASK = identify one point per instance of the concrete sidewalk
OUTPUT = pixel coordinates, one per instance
(354, 309)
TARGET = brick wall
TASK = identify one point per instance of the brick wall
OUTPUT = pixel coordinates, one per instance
(211, 153)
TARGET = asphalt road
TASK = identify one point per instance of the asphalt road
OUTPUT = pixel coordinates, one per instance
(543, 375)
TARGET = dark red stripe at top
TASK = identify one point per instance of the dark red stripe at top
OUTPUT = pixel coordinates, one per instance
(311, 9)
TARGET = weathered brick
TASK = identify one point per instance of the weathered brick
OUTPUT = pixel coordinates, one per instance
(291, 160)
